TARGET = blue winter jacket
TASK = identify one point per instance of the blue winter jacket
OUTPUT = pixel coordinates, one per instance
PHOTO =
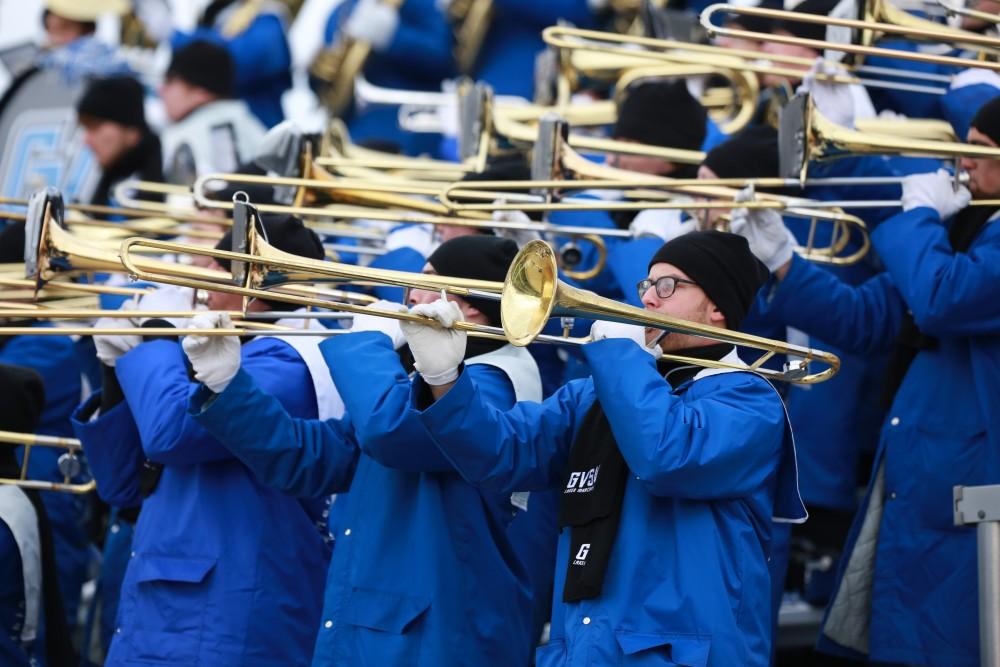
(423, 573)
(262, 59)
(687, 582)
(224, 570)
(942, 431)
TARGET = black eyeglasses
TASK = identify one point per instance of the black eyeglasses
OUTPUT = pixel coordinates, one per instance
(665, 286)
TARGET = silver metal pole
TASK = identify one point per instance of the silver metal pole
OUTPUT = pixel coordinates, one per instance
(988, 548)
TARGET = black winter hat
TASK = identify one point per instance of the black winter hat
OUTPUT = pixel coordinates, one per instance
(478, 257)
(284, 232)
(24, 398)
(119, 99)
(722, 265)
(206, 65)
(752, 153)
(661, 113)
(12, 242)
(807, 30)
(987, 120)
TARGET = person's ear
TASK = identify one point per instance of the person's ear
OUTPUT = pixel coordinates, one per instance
(715, 316)
(470, 312)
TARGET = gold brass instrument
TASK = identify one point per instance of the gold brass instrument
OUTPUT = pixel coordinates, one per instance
(805, 135)
(529, 296)
(471, 20)
(591, 45)
(845, 227)
(126, 212)
(912, 28)
(885, 18)
(337, 66)
(69, 462)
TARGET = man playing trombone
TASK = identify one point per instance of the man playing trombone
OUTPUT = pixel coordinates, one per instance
(670, 474)
(907, 581)
(424, 571)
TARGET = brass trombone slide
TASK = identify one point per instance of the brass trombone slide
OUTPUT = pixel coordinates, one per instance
(940, 35)
(69, 462)
(529, 296)
(671, 51)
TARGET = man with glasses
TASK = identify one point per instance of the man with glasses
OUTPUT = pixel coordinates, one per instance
(670, 474)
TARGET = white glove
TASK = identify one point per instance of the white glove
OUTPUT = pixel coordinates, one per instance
(447, 114)
(602, 329)
(769, 239)
(417, 237)
(837, 102)
(386, 325)
(215, 359)
(169, 297)
(935, 190)
(109, 348)
(156, 19)
(372, 22)
(518, 236)
(664, 223)
(437, 353)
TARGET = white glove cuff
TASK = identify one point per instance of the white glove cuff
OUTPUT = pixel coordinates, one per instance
(218, 385)
(780, 258)
(445, 377)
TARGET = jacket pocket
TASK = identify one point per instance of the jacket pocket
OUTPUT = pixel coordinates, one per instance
(663, 649)
(386, 628)
(167, 615)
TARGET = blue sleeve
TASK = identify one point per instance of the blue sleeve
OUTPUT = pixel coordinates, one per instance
(154, 379)
(521, 449)
(300, 457)
(260, 52)
(423, 41)
(723, 445)
(950, 294)
(114, 452)
(549, 12)
(382, 407)
(862, 319)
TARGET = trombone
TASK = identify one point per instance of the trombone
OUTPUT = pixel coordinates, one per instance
(672, 51)
(529, 296)
(69, 463)
(909, 27)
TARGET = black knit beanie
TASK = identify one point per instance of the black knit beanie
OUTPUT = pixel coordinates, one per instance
(807, 30)
(24, 398)
(722, 265)
(205, 65)
(477, 257)
(119, 99)
(661, 113)
(987, 120)
(751, 153)
(286, 233)
(12, 242)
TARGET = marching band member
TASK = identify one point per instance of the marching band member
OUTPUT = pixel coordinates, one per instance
(411, 49)
(670, 474)
(907, 582)
(32, 617)
(112, 114)
(209, 130)
(423, 572)
(223, 570)
(252, 31)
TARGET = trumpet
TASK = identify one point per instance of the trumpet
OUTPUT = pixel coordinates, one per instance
(69, 463)
(529, 296)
